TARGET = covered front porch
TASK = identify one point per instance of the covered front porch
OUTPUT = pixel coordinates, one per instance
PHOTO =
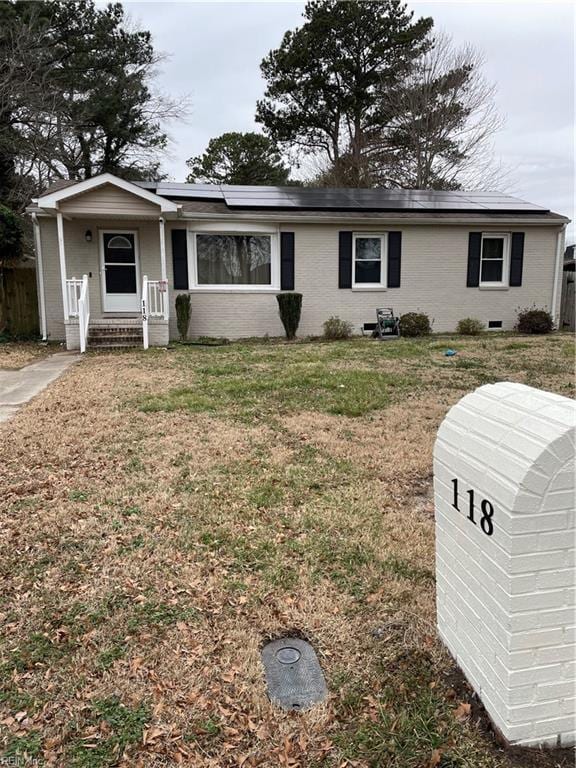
(121, 297)
(108, 269)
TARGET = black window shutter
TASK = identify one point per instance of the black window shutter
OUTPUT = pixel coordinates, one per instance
(474, 246)
(516, 258)
(345, 260)
(180, 258)
(287, 261)
(394, 258)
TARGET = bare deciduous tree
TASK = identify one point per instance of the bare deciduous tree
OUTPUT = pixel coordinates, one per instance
(444, 122)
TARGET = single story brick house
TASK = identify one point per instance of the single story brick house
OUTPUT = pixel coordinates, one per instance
(112, 255)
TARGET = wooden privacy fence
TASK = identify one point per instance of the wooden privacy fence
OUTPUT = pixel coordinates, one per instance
(567, 309)
(19, 302)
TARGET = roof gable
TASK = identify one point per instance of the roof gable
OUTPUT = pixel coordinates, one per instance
(53, 199)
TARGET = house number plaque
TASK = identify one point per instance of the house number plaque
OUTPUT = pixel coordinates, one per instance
(486, 508)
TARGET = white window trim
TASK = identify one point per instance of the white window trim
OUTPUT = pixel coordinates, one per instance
(233, 228)
(504, 283)
(383, 284)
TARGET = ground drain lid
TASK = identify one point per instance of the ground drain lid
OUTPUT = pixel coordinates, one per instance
(295, 680)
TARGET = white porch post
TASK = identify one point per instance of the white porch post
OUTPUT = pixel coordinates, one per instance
(40, 277)
(163, 267)
(62, 255)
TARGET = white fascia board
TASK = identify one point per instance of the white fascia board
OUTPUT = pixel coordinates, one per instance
(51, 201)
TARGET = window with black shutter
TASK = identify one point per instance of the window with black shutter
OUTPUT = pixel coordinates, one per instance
(345, 260)
(287, 261)
(516, 259)
(180, 259)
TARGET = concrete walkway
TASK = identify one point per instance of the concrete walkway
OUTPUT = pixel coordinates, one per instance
(17, 387)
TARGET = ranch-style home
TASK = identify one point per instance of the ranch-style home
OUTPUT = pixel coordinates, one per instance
(112, 256)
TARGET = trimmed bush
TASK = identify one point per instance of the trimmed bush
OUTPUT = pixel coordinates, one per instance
(335, 328)
(415, 324)
(290, 309)
(534, 320)
(183, 312)
(470, 326)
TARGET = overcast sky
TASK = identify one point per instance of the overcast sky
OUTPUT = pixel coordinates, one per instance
(215, 50)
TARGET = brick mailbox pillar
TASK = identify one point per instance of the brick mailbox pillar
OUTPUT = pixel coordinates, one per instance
(504, 486)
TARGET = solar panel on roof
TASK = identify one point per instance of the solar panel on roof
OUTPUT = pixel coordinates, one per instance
(396, 203)
(194, 191)
(194, 187)
(308, 198)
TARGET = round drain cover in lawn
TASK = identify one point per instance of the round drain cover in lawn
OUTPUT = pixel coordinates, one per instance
(295, 680)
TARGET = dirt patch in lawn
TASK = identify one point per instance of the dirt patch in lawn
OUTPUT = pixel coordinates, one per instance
(152, 541)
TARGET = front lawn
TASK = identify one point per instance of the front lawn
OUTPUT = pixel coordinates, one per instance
(167, 512)
(17, 354)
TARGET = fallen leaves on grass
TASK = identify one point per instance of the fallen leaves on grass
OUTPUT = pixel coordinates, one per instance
(148, 556)
(462, 711)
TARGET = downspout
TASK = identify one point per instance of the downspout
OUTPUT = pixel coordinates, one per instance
(557, 273)
(40, 278)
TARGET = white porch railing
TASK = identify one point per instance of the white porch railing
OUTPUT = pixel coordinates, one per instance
(154, 304)
(73, 290)
(78, 300)
(84, 313)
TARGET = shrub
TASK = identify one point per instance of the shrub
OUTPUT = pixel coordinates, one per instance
(290, 308)
(183, 312)
(415, 324)
(335, 328)
(470, 326)
(534, 320)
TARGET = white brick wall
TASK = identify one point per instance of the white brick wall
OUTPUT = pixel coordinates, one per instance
(506, 601)
(72, 336)
(434, 265)
(158, 334)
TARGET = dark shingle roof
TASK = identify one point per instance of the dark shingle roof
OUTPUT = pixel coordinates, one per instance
(348, 203)
(58, 184)
(259, 198)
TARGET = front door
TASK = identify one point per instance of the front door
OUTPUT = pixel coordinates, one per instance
(120, 276)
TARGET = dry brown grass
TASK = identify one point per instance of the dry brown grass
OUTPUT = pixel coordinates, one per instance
(15, 355)
(148, 555)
